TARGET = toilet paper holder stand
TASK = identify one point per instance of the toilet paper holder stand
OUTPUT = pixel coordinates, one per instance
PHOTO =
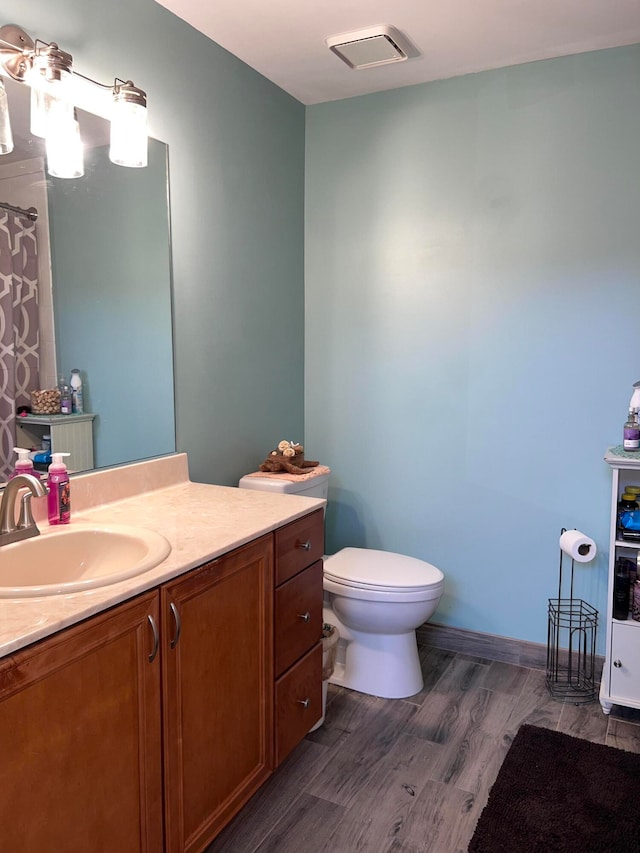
(571, 645)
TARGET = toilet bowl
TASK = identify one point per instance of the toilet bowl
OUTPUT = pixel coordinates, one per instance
(376, 599)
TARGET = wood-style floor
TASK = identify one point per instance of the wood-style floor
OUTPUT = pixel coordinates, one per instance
(410, 776)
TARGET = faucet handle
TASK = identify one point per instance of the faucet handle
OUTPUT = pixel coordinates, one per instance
(26, 518)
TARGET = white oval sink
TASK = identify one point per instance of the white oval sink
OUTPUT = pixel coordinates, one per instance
(78, 557)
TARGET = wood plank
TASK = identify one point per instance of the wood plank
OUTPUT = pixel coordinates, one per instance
(306, 825)
(534, 705)
(505, 678)
(346, 713)
(383, 803)
(434, 663)
(359, 757)
(441, 821)
(252, 825)
(623, 735)
(585, 721)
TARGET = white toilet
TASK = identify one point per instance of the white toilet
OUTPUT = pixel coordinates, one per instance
(376, 599)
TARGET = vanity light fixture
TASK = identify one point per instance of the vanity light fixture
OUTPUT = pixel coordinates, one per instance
(129, 137)
(49, 71)
(6, 137)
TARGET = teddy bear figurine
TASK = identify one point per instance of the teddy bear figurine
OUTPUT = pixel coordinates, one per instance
(288, 458)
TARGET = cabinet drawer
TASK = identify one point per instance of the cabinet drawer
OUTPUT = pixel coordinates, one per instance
(298, 545)
(625, 661)
(298, 702)
(298, 616)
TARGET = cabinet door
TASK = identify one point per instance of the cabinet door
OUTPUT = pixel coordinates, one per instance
(217, 689)
(625, 662)
(80, 765)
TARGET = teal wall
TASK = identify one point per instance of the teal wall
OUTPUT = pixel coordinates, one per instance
(472, 335)
(236, 155)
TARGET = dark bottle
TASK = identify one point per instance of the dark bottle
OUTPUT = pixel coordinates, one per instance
(621, 591)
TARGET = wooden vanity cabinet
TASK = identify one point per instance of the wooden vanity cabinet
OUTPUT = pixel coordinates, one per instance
(147, 727)
(80, 760)
(217, 652)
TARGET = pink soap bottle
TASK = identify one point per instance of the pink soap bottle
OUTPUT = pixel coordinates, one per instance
(24, 465)
(59, 498)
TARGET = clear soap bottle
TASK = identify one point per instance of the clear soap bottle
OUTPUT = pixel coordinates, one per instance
(65, 396)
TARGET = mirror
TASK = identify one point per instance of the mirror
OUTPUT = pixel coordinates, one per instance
(104, 283)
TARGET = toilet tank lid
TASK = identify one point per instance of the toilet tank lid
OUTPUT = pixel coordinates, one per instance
(381, 569)
(289, 484)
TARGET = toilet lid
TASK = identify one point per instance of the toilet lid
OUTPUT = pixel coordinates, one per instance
(368, 569)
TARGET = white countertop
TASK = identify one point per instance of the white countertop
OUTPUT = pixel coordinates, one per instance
(200, 521)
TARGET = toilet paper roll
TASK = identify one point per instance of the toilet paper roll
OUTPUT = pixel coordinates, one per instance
(578, 546)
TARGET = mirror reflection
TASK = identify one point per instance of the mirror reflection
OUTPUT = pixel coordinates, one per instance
(91, 290)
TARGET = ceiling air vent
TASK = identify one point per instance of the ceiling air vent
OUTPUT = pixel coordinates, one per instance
(368, 48)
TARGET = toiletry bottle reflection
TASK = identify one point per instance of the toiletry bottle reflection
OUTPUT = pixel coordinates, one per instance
(65, 396)
(77, 402)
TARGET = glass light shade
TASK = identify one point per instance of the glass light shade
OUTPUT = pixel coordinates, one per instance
(64, 150)
(6, 137)
(129, 137)
(48, 98)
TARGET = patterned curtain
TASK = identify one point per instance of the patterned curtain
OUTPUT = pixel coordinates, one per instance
(19, 332)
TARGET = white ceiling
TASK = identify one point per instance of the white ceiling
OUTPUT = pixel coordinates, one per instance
(285, 39)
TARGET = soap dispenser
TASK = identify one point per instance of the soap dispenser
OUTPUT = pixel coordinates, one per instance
(24, 464)
(59, 498)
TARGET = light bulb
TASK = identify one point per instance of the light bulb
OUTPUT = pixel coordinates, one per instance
(129, 137)
(64, 150)
(6, 137)
(49, 81)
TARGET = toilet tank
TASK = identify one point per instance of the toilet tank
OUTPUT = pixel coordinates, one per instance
(308, 487)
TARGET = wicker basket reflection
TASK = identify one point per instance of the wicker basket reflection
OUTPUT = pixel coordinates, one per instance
(46, 402)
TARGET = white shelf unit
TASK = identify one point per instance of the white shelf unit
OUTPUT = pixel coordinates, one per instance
(620, 683)
(71, 434)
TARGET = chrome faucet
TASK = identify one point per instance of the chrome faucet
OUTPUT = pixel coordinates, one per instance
(25, 527)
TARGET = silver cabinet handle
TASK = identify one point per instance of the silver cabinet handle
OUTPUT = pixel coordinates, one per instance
(304, 616)
(304, 702)
(306, 546)
(178, 621)
(617, 664)
(156, 638)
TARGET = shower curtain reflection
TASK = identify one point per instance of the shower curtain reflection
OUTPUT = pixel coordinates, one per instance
(19, 332)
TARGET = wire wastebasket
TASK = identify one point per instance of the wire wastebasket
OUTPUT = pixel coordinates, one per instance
(330, 637)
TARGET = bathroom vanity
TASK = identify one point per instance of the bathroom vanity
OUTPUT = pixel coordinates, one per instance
(147, 713)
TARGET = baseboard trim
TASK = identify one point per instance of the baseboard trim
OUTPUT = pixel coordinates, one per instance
(490, 646)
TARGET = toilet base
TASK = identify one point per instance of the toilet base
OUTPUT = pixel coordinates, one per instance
(380, 665)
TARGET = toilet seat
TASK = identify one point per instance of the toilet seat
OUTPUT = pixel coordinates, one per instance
(365, 568)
